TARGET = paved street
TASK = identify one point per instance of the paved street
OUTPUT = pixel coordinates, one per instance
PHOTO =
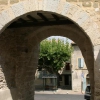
(59, 97)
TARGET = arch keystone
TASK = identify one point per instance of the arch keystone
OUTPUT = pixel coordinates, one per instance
(60, 7)
(40, 4)
(50, 5)
(33, 5)
(26, 6)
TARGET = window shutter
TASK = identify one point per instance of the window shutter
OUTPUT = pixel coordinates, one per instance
(80, 62)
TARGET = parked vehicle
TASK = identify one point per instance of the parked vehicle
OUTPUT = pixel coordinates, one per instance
(87, 92)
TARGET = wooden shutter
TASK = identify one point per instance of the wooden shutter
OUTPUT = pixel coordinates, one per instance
(80, 62)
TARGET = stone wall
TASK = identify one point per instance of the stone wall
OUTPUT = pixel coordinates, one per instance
(20, 56)
(19, 53)
(82, 3)
(17, 47)
(97, 71)
(87, 19)
(90, 6)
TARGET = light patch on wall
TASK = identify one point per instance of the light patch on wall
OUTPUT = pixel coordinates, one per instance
(97, 9)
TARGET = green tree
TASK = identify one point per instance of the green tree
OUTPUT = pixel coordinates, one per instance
(53, 55)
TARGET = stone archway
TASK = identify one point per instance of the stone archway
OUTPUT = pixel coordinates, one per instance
(72, 12)
(23, 51)
(75, 34)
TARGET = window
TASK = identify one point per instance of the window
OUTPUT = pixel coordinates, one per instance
(67, 67)
(80, 62)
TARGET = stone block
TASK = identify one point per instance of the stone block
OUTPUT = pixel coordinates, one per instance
(26, 6)
(60, 7)
(90, 30)
(71, 0)
(44, 4)
(51, 5)
(76, 15)
(97, 98)
(86, 4)
(10, 13)
(32, 5)
(97, 0)
(72, 11)
(3, 2)
(97, 93)
(82, 18)
(95, 4)
(66, 8)
(40, 5)
(6, 17)
(14, 1)
(84, 0)
(2, 21)
(18, 9)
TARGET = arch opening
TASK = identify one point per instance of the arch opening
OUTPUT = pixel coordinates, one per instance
(30, 42)
(69, 73)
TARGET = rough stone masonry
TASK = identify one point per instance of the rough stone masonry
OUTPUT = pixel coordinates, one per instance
(19, 48)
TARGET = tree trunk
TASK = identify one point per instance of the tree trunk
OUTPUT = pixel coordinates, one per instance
(58, 80)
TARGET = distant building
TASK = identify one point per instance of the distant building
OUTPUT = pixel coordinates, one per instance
(73, 76)
(79, 72)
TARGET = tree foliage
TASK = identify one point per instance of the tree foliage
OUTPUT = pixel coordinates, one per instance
(53, 54)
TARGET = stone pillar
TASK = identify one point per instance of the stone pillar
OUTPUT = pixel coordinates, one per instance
(20, 72)
(7, 78)
(90, 67)
(97, 72)
(27, 63)
(89, 60)
(18, 60)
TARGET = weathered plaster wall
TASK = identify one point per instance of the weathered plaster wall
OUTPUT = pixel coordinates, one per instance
(75, 55)
(76, 71)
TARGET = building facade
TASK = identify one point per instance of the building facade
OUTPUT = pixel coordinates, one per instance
(80, 74)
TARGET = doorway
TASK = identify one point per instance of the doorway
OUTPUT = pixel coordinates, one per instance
(67, 82)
